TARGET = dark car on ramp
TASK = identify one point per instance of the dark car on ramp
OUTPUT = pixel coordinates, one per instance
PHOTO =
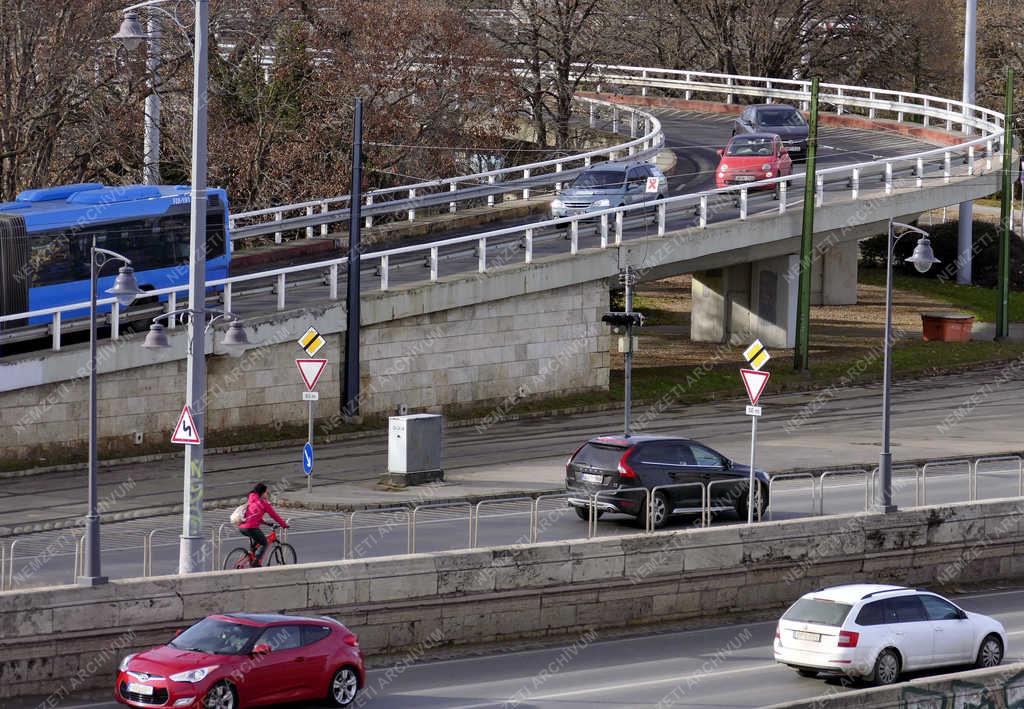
(778, 118)
(614, 467)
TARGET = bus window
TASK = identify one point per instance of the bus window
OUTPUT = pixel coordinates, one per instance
(52, 260)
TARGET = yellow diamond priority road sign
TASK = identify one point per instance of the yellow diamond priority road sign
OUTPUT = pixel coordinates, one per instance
(312, 342)
(756, 355)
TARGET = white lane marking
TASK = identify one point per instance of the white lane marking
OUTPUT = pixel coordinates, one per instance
(617, 686)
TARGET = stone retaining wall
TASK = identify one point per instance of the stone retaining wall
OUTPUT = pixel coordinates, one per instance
(401, 603)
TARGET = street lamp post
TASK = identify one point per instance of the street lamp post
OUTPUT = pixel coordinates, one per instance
(195, 393)
(125, 289)
(923, 259)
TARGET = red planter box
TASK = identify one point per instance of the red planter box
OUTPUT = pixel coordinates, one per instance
(947, 327)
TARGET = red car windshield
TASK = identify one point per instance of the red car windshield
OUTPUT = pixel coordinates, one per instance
(750, 147)
(218, 637)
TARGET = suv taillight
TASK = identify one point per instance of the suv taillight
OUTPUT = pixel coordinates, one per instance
(569, 462)
(352, 640)
(848, 638)
(624, 470)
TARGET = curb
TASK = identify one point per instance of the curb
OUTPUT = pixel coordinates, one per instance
(356, 507)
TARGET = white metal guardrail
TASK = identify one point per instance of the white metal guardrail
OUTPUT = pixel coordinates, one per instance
(38, 562)
(943, 164)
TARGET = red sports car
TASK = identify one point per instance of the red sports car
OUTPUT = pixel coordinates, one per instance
(244, 660)
(752, 157)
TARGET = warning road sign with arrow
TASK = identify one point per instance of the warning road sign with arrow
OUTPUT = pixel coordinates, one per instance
(185, 432)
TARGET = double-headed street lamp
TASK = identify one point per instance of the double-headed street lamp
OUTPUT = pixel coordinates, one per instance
(130, 34)
(923, 259)
(125, 290)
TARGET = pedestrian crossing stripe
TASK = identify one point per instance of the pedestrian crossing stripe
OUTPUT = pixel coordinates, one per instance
(756, 355)
(312, 342)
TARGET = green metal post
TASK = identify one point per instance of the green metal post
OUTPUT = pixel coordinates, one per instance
(803, 313)
(1005, 207)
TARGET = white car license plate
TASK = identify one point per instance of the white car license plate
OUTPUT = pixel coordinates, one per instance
(136, 688)
(744, 178)
(809, 637)
(588, 478)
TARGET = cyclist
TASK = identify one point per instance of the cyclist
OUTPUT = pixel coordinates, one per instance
(250, 527)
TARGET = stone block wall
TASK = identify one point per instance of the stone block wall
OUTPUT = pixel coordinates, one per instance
(550, 590)
(490, 354)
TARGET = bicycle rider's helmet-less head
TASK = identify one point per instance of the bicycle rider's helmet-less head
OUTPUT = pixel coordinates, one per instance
(260, 489)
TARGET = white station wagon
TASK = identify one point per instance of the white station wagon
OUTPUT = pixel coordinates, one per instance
(877, 632)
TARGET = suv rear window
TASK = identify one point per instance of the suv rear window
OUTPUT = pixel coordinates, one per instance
(812, 610)
(598, 456)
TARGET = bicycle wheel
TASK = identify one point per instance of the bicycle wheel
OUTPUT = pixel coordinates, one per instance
(282, 554)
(237, 558)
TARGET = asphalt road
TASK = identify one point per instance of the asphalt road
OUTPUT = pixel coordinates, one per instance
(725, 667)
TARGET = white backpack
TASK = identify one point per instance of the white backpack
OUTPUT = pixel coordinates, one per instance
(238, 516)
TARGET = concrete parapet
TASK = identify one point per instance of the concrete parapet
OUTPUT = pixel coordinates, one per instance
(526, 591)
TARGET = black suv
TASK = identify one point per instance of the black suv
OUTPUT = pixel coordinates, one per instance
(613, 464)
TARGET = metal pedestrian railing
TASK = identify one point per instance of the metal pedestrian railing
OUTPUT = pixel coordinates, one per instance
(47, 558)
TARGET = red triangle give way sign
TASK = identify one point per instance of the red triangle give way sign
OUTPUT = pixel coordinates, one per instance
(310, 370)
(754, 382)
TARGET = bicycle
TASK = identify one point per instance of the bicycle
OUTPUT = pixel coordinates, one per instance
(278, 553)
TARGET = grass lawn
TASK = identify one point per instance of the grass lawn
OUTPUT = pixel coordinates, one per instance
(980, 302)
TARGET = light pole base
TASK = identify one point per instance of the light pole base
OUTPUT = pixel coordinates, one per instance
(191, 555)
(885, 509)
(91, 580)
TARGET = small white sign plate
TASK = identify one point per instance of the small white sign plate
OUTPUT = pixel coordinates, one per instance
(753, 410)
(311, 396)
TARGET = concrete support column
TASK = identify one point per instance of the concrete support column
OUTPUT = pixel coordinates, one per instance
(834, 274)
(746, 301)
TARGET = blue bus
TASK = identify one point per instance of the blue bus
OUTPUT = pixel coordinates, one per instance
(46, 234)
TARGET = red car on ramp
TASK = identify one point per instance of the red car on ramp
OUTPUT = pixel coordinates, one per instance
(244, 660)
(753, 157)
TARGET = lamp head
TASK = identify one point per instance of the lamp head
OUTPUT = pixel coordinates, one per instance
(156, 338)
(125, 287)
(131, 33)
(923, 258)
(235, 339)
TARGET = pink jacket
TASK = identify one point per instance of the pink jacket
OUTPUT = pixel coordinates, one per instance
(255, 511)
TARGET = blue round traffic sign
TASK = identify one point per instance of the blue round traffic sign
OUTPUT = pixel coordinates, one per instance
(307, 458)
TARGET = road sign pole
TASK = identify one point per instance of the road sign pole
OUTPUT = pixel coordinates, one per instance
(309, 438)
(751, 496)
(628, 368)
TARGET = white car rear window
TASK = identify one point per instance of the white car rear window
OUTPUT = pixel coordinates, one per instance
(819, 612)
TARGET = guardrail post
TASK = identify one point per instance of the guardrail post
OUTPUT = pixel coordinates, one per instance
(988, 154)
(899, 113)
(325, 228)
(920, 171)
(743, 204)
(574, 236)
(280, 290)
(490, 197)
(55, 331)
(819, 189)
(615, 119)
(226, 297)
(481, 255)
(412, 211)
(855, 183)
(593, 115)
(729, 98)
(368, 219)
(433, 263)
(632, 124)
(618, 228)
(949, 121)
(451, 205)
(604, 231)
(972, 480)
(871, 109)
(925, 118)
(643, 89)
(332, 282)
(839, 102)
(309, 229)
(384, 268)
(278, 216)
(947, 169)
(689, 94)
(888, 178)
(782, 197)
(115, 320)
(558, 185)
(526, 190)
(662, 210)
(529, 245)
(768, 87)
(172, 305)
(703, 211)
(587, 161)
(970, 160)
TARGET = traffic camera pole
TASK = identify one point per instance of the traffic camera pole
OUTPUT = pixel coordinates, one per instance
(350, 395)
(803, 313)
(628, 278)
(1005, 215)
